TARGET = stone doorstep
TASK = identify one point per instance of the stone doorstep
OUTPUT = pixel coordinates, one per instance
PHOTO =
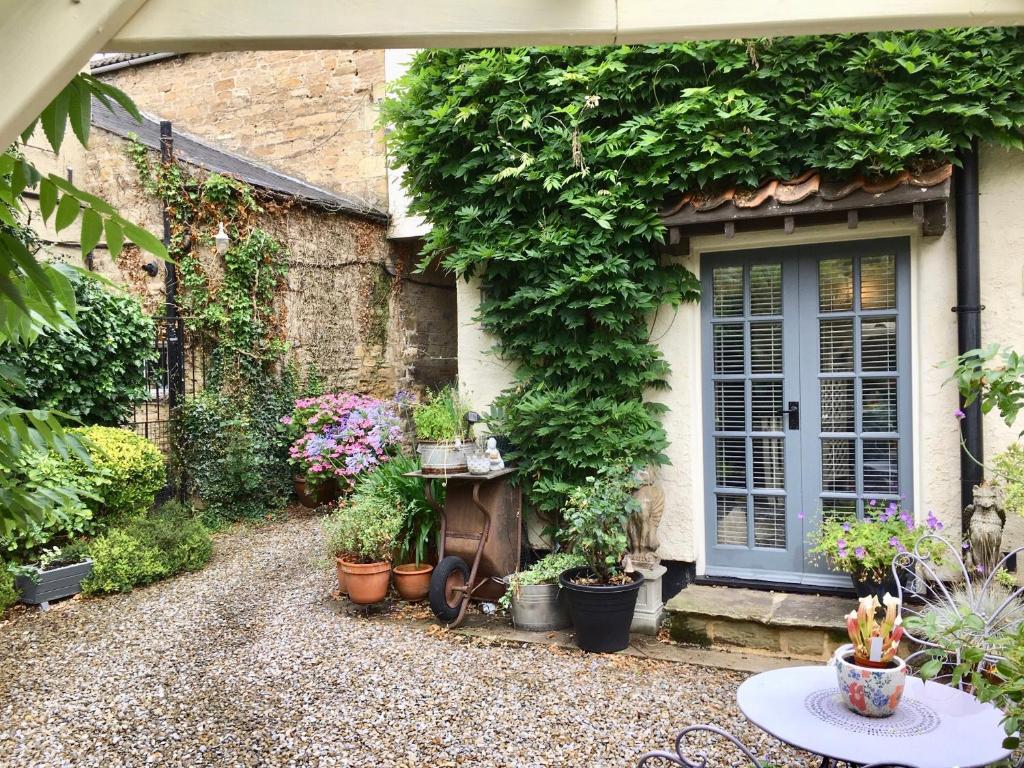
(774, 623)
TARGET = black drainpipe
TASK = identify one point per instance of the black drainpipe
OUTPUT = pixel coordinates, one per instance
(968, 308)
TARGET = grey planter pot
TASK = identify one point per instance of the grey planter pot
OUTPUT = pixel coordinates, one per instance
(53, 584)
(540, 608)
(441, 459)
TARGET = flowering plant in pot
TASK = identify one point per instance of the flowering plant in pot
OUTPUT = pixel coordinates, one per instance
(535, 598)
(602, 597)
(441, 427)
(336, 437)
(369, 523)
(871, 676)
(865, 548)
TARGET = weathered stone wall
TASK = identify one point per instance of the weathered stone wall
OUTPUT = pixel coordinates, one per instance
(310, 114)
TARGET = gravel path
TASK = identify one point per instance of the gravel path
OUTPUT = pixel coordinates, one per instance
(246, 663)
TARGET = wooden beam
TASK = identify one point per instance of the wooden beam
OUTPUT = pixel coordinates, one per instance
(203, 25)
(45, 44)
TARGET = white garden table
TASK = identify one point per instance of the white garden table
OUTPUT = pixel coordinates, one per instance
(935, 726)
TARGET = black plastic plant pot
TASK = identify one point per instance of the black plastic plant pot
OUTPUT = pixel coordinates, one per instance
(601, 614)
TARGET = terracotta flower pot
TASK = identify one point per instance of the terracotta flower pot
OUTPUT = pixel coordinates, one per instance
(412, 581)
(342, 578)
(367, 582)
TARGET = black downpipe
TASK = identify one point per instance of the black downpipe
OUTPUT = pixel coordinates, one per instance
(968, 309)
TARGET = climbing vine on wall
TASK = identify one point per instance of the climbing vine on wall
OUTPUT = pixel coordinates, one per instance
(542, 170)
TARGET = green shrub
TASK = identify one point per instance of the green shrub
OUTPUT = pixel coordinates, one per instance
(146, 549)
(366, 527)
(1010, 467)
(8, 594)
(441, 417)
(97, 374)
(133, 466)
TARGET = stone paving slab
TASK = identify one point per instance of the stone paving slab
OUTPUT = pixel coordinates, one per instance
(772, 608)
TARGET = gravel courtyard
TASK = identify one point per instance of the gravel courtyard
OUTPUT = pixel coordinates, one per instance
(246, 663)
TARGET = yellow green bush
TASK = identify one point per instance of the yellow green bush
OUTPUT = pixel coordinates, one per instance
(133, 465)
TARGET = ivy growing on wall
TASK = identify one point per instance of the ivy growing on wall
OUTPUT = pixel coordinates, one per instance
(542, 170)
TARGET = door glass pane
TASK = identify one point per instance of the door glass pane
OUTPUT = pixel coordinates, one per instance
(770, 522)
(880, 405)
(766, 347)
(769, 462)
(728, 348)
(877, 344)
(878, 282)
(837, 405)
(727, 287)
(838, 463)
(765, 404)
(729, 406)
(836, 346)
(835, 285)
(731, 519)
(731, 462)
(766, 289)
(881, 466)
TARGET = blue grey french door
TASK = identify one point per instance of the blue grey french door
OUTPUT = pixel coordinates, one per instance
(806, 367)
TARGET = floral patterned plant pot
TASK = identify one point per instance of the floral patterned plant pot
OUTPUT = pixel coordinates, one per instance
(869, 691)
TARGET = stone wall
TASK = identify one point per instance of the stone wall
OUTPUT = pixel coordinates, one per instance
(311, 114)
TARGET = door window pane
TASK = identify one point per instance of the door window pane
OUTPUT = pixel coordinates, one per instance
(878, 282)
(836, 344)
(838, 465)
(877, 344)
(881, 466)
(766, 289)
(838, 509)
(770, 522)
(728, 348)
(766, 347)
(837, 405)
(729, 406)
(835, 285)
(765, 404)
(769, 462)
(880, 405)
(727, 287)
(731, 519)
(731, 462)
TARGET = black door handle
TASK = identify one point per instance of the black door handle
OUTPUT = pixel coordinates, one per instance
(794, 414)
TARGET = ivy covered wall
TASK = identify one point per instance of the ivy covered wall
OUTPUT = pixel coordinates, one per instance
(542, 170)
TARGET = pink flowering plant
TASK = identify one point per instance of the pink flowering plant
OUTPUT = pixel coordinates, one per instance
(341, 435)
(865, 548)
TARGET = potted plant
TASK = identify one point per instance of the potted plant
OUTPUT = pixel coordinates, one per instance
(865, 548)
(339, 543)
(601, 595)
(440, 429)
(336, 437)
(535, 598)
(373, 518)
(871, 676)
(58, 573)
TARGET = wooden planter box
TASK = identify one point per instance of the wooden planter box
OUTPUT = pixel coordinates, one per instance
(53, 584)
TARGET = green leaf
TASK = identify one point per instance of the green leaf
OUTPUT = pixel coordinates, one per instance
(143, 238)
(67, 212)
(79, 110)
(930, 669)
(115, 237)
(92, 229)
(54, 118)
(47, 198)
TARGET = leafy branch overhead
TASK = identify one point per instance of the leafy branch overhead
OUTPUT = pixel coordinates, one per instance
(542, 170)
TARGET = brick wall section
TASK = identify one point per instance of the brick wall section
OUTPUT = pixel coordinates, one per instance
(310, 114)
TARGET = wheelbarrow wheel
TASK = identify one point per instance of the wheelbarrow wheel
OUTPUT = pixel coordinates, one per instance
(448, 588)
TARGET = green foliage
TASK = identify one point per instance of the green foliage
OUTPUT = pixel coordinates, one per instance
(995, 376)
(36, 297)
(541, 170)
(132, 466)
(96, 373)
(544, 571)
(148, 548)
(1009, 465)
(365, 528)
(236, 458)
(8, 594)
(441, 417)
(419, 520)
(594, 520)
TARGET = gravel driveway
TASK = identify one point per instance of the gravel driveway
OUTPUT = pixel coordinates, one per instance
(246, 663)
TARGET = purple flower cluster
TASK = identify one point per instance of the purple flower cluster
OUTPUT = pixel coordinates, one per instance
(341, 434)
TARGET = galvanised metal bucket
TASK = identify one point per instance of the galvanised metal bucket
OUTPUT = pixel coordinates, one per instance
(539, 608)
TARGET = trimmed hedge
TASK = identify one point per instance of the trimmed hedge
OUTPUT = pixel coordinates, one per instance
(8, 595)
(134, 466)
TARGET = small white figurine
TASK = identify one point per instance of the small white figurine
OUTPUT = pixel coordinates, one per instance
(493, 455)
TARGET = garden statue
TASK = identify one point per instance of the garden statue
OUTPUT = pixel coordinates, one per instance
(494, 455)
(642, 528)
(985, 520)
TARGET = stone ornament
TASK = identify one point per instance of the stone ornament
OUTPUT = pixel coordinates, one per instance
(493, 455)
(642, 528)
(985, 520)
